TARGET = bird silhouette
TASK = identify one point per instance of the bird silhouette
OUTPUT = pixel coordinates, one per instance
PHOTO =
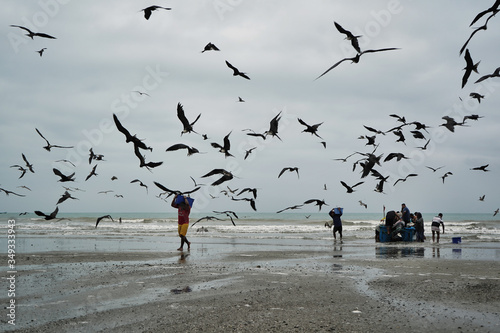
(7, 192)
(50, 216)
(177, 146)
(471, 117)
(371, 129)
(228, 213)
(208, 218)
(103, 217)
(361, 203)
(446, 175)
(251, 200)
(210, 47)
(148, 10)
(404, 179)
(470, 67)
(49, 146)
(248, 189)
(349, 36)
(140, 184)
(496, 212)
(95, 157)
(40, 52)
(291, 207)
(493, 9)
(226, 175)
(32, 34)
(356, 58)
(20, 168)
(476, 96)
(248, 152)
(424, 147)
(496, 73)
(397, 156)
(450, 123)
(141, 93)
(92, 173)
(63, 177)
(317, 202)
(418, 134)
(225, 147)
(188, 127)
(291, 169)
(66, 195)
(176, 192)
(350, 189)
(481, 198)
(236, 72)
(128, 137)
(142, 160)
(434, 169)
(241, 100)
(483, 27)
(481, 168)
(273, 126)
(310, 128)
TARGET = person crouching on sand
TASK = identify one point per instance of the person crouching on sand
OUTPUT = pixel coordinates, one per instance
(183, 210)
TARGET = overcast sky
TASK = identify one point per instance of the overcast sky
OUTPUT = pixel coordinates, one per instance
(106, 50)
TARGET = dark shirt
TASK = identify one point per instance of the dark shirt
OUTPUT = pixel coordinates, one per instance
(337, 222)
(406, 215)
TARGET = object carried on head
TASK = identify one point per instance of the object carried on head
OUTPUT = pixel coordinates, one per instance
(338, 210)
(180, 199)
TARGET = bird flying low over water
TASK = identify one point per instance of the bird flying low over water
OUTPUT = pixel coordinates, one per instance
(7, 192)
(236, 72)
(470, 67)
(66, 195)
(49, 146)
(291, 169)
(188, 127)
(251, 200)
(177, 146)
(317, 202)
(248, 189)
(208, 218)
(32, 34)
(291, 207)
(361, 203)
(148, 10)
(226, 175)
(48, 216)
(356, 58)
(103, 217)
(228, 213)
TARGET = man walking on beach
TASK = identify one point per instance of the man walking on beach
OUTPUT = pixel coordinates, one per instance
(335, 214)
(183, 210)
(436, 222)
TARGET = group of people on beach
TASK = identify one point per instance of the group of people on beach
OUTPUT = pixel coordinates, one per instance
(395, 221)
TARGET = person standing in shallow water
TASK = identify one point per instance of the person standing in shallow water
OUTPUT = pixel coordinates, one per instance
(337, 222)
(183, 210)
(436, 222)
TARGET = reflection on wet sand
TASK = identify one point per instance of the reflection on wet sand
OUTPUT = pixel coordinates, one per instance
(337, 249)
(398, 252)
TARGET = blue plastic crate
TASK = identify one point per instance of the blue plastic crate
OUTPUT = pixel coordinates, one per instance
(408, 234)
(179, 199)
(384, 237)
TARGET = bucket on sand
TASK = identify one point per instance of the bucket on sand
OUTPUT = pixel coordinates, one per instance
(456, 240)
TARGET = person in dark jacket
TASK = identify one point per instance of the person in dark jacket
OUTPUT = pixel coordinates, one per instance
(335, 214)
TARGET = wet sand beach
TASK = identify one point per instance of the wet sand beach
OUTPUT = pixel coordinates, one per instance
(281, 286)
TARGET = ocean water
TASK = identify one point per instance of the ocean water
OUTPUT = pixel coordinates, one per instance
(251, 225)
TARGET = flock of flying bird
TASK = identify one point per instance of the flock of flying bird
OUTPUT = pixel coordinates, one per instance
(367, 161)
